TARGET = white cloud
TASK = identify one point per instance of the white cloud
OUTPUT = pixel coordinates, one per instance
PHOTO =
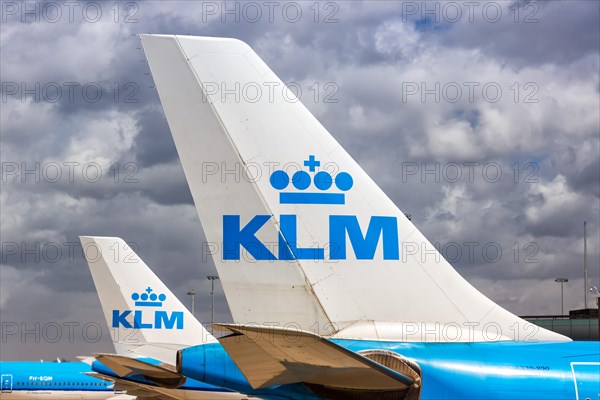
(103, 140)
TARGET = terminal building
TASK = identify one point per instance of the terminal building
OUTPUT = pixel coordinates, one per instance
(580, 325)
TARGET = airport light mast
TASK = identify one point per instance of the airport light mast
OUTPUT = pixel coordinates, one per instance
(562, 294)
(193, 294)
(212, 279)
(585, 267)
(594, 289)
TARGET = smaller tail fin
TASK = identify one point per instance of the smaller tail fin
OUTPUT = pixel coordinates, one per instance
(143, 315)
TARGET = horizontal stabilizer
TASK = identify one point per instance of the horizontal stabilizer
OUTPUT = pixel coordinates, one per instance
(161, 374)
(269, 356)
(139, 390)
(86, 359)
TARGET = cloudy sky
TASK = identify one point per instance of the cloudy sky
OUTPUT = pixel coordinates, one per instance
(480, 119)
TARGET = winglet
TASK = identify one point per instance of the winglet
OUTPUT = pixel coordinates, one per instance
(124, 367)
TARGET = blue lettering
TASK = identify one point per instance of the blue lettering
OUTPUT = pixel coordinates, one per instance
(137, 321)
(364, 246)
(234, 237)
(341, 228)
(119, 319)
(288, 243)
(161, 317)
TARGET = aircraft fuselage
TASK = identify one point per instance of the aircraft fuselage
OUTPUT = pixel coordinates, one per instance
(450, 371)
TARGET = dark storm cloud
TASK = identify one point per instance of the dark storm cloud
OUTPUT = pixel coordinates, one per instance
(154, 144)
(588, 179)
(531, 33)
(582, 173)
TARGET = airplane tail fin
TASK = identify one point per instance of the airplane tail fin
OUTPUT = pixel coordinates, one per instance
(300, 234)
(143, 315)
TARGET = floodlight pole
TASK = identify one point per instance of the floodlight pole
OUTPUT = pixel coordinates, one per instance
(585, 267)
(594, 289)
(562, 294)
(192, 293)
(212, 279)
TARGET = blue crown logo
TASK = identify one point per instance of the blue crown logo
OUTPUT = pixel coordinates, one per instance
(302, 180)
(148, 299)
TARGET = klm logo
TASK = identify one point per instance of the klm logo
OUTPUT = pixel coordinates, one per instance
(302, 180)
(148, 318)
(342, 228)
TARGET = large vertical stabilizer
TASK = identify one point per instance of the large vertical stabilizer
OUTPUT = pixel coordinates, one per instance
(300, 235)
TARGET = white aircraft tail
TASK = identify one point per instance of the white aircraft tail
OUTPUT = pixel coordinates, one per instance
(143, 315)
(301, 236)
